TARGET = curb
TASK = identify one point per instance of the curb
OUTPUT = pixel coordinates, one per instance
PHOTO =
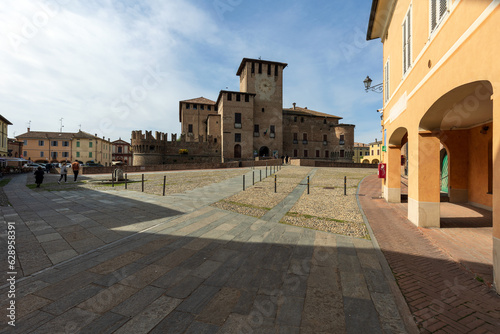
(403, 308)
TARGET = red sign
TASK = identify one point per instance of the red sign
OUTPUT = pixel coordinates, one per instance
(381, 170)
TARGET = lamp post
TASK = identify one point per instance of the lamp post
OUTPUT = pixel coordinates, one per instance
(368, 86)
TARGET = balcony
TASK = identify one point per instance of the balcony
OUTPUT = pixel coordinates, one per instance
(304, 142)
(341, 142)
(237, 125)
(272, 135)
(256, 134)
(295, 141)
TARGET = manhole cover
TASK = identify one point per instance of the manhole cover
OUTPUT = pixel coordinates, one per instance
(328, 187)
(377, 197)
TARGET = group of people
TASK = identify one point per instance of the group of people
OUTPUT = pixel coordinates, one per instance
(75, 166)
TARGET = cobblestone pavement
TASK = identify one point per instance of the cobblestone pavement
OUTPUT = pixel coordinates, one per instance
(127, 262)
(442, 295)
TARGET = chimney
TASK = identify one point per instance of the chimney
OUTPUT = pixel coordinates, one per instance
(375, 139)
(294, 105)
(28, 129)
(305, 107)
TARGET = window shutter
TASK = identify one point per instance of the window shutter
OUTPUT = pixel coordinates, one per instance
(442, 7)
(408, 39)
(404, 47)
(433, 14)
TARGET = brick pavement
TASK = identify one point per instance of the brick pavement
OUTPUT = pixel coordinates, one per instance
(442, 295)
(203, 271)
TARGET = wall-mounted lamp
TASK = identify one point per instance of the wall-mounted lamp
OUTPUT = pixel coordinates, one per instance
(368, 86)
(484, 129)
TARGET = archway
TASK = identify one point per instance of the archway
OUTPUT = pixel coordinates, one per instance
(264, 151)
(397, 167)
(366, 161)
(237, 151)
(375, 161)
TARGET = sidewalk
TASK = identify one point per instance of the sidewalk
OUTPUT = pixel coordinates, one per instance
(181, 266)
(442, 295)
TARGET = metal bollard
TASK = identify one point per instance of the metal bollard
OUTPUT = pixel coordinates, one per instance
(142, 182)
(126, 178)
(164, 183)
(112, 180)
(308, 185)
(266, 169)
(274, 182)
(260, 172)
(253, 178)
(243, 182)
(345, 185)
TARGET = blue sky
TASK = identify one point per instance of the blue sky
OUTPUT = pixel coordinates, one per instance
(113, 66)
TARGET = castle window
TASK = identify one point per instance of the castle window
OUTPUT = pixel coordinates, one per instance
(262, 109)
(302, 119)
(272, 133)
(229, 96)
(341, 141)
(209, 108)
(195, 106)
(326, 154)
(305, 153)
(295, 153)
(187, 105)
(275, 70)
(325, 137)
(190, 128)
(237, 120)
(342, 153)
(247, 98)
(324, 121)
(260, 67)
(256, 132)
(268, 69)
(202, 107)
(295, 138)
(317, 153)
(238, 97)
(253, 68)
(237, 137)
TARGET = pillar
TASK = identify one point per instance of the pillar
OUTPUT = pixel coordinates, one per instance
(392, 184)
(424, 201)
(496, 190)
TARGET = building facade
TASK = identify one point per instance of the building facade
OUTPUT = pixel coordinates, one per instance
(439, 98)
(54, 147)
(4, 123)
(121, 152)
(361, 150)
(251, 122)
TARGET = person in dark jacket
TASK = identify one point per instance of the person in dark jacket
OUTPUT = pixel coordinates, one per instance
(39, 176)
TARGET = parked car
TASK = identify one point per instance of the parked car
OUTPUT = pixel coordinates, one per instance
(93, 164)
(32, 165)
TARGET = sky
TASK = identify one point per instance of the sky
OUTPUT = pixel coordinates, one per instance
(109, 67)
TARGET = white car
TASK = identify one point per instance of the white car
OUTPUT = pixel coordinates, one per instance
(32, 165)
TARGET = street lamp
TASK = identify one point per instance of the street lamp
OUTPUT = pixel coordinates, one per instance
(368, 86)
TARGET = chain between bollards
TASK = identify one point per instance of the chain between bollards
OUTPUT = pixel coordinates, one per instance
(164, 183)
(345, 185)
(126, 179)
(142, 182)
(308, 184)
(243, 182)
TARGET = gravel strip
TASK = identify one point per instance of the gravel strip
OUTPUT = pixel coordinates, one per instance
(241, 209)
(357, 230)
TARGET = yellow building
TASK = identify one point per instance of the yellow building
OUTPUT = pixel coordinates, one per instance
(361, 150)
(441, 73)
(373, 153)
(3, 136)
(54, 147)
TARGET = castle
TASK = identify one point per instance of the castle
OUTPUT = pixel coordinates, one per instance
(249, 123)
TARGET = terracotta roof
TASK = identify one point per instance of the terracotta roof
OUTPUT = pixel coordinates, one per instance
(3, 119)
(201, 100)
(120, 141)
(307, 112)
(361, 145)
(55, 135)
(198, 100)
(257, 61)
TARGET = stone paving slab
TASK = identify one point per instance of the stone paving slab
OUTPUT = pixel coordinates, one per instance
(203, 270)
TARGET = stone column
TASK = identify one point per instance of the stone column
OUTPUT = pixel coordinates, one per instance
(392, 184)
(496, 189)
(423, 202)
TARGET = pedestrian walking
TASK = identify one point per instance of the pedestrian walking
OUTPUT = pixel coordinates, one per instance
(64, 173)
(47, 168)
(39, 176)
(286, 159)
(76, 167)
